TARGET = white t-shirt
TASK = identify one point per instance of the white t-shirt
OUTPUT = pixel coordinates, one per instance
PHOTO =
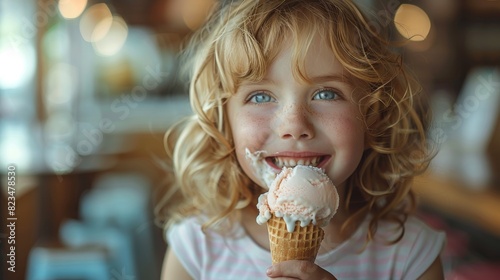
(213, 256)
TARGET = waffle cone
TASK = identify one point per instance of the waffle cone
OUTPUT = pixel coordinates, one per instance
(301, 244)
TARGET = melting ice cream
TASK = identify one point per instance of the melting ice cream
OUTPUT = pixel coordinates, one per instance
(302, 193)
(262, 169)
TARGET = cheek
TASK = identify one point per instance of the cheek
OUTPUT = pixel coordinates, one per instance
(347, 136)
(249, 131)
(346, 127)
(353, 137)
(356, 133)
(252, 132)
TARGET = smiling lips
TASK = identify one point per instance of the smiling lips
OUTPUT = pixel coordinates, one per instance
(266, 167)
(280, 162)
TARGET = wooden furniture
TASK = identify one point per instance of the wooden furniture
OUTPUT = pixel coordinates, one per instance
(479, 207)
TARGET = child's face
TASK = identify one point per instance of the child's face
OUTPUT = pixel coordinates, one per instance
(318, 124)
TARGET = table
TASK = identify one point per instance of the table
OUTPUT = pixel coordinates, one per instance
(479, 207)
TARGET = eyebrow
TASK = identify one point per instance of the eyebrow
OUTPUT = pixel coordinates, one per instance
(329, 78)
(250, 84)
(315, 79)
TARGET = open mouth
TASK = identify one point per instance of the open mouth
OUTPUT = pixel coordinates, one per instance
(280, 162)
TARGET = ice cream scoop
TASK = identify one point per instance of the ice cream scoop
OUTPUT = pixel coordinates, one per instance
(303, 193)
(299, 202)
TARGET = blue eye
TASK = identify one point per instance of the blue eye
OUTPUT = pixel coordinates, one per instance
(326, 94)
(260, 97)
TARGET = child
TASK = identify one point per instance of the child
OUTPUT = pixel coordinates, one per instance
(297, 82)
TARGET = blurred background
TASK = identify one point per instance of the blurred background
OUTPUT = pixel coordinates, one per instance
(88, 88)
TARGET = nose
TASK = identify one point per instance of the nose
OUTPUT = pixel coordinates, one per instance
(294, 122)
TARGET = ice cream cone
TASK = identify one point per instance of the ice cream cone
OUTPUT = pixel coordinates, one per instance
(301, 244)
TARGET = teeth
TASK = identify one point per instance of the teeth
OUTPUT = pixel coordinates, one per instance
(282, 162)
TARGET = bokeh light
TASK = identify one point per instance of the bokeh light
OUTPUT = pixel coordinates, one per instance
(114, 39)
(16, 147)
(95, 22)
(61, 83)
(17, 64)
(71, 9)
(412, 22)
(56, 43)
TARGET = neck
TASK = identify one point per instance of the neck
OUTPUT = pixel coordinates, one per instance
(334, 235)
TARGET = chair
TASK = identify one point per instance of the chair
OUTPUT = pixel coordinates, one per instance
(89, 263)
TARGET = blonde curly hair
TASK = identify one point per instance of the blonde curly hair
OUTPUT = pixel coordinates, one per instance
(238, 43)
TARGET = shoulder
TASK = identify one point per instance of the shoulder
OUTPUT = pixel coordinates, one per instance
(421, 235)
(191, 229)
(187, 228)
(418, 248)
(184, 240)
(212, 255)
(408, 258)
(417, 236)
(413, 232)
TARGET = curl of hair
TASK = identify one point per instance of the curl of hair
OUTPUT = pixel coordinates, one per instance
(238, 43)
